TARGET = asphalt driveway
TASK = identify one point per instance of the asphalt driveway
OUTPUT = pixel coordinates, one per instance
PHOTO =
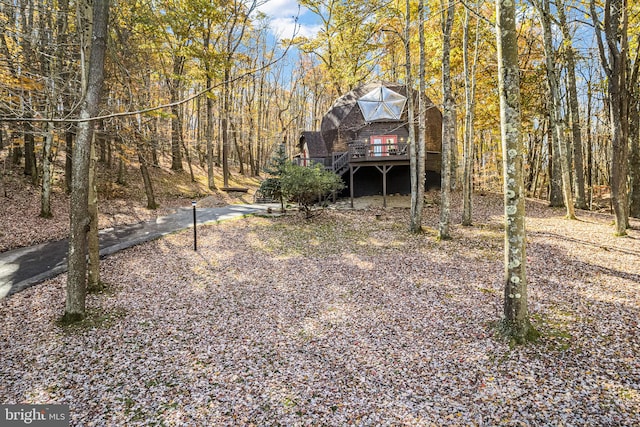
(25, 267)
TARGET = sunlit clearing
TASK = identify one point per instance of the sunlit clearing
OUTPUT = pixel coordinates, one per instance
(198, 286)
(616, 296)
(332, 316)
(375, 242)
(336, 313)
(359, 262)
(278, 249)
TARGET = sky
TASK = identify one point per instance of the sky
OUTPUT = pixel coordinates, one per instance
(283, 15)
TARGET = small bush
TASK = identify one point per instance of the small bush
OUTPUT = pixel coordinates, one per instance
(307, 185)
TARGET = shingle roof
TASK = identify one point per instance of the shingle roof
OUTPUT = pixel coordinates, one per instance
(315, 144)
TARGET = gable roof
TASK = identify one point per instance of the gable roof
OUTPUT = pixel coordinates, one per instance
(315, 144)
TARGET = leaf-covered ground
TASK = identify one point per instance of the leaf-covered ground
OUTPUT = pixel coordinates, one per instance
(344, 320)
(21, 224)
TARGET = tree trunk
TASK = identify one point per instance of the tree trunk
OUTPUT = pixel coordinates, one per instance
(146, 178)
(208, 132)
(414, 225)
(153, 144)
(47, 172)
(122, 176)
(155, 161)
(234, 36)
(176, 149)
(79, 221)
(93, 242)
(16, 154)
(589, 145)
(260, 121)
(102, 142)
(186, 150)
(537, 165)
(555, 117)
(26, 16)
(176, 125)
(516, 324)
(578, 160)
(634, 160)
(448, 122)
(68, 137)
(238, 148)
(252, 144)
(209, 137)
(469, 91)
(30, 168)
(555, 174)
(418, 205)
(225, 127)
(109, 144)
(634, 138)
(614, 62)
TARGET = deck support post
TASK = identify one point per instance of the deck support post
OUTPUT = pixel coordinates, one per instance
(351, 184)
(351, 172)
(384, 170)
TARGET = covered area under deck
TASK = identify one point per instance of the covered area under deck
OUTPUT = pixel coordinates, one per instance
(383, 157)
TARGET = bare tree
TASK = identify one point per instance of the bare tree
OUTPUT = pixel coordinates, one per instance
(572, 87)
(448, 121)
(93, 236)
(614, 61)
(555, 116)
(634, 137)
(209, 103)
(411, 117)
(470, 92)
(174, 83)
(234, 32)
(516, 324)
(77, 275)
(419, 152)
(47, 172)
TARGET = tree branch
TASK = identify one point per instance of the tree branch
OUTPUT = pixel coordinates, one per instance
(154, 108)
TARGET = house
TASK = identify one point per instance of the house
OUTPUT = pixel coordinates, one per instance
(313, 149)
(364, 138)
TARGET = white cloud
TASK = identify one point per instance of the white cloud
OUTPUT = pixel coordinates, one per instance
(287, 19)
(279, 8)
(284, 28)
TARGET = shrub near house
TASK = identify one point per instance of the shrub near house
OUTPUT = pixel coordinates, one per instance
(307, 185)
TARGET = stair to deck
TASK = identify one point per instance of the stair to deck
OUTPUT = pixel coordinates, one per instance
(340, 163)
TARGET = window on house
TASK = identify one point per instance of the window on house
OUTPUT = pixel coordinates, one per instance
(383, 145)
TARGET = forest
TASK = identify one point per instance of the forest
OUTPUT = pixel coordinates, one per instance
(209, 84)
(159, 102)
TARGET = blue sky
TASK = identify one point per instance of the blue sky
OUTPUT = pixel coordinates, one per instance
(283, 15)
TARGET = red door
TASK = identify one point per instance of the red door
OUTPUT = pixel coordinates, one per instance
(381, 145)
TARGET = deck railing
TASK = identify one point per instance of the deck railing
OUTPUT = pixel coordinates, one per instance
(364, 151)
(340, 162)
(310, 161)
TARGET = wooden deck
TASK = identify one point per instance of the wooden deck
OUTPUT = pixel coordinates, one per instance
(364, 154)
(360, 152)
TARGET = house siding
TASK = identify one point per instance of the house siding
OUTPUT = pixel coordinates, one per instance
(383, 128)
